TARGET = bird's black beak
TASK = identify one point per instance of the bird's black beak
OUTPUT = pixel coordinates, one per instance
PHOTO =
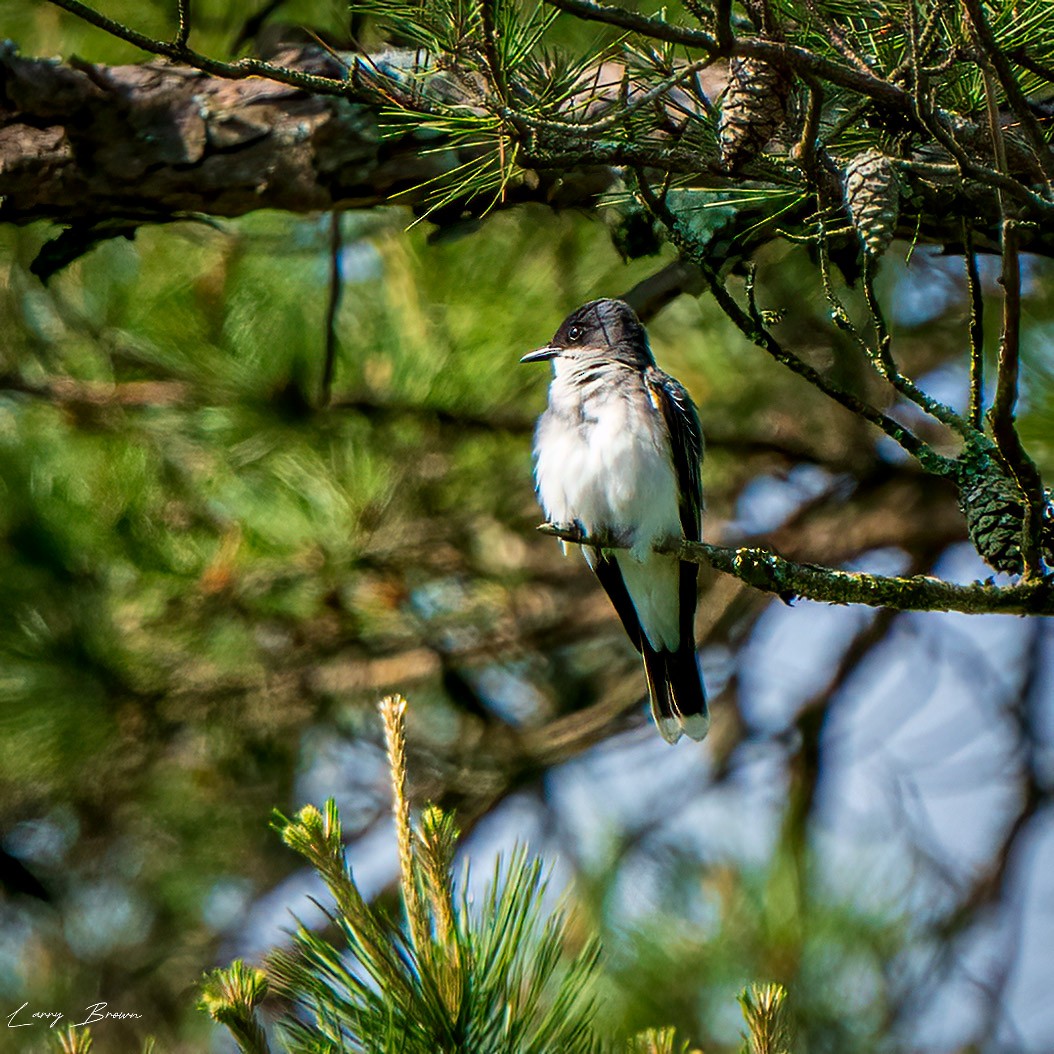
(541, 355)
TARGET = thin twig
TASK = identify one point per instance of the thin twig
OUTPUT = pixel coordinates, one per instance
(1008, 82)
(806, 148)
(604, 124)
(770, 573)
(183, 32)
(1001, 416)
(882, 357)
(723, 25)
(836, 38)
(239, 70)
(973, 284)
(751, 325)
(496, 67)
(1040, 69)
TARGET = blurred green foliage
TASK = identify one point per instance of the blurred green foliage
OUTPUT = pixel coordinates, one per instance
(204, 571)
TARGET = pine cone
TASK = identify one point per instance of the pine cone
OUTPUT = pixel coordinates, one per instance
(995, 513)
(872, 195)
(754, 108)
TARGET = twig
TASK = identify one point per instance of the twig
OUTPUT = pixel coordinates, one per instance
(336, 290)
(1023, 58)
(770, 573)
(973, 284)
(183, 32)
(752, 326)
(723, 25)
(490, 50)
(1001, 416)
(604, 124)
(806, 149)
(1008, 82)
(882, 357)
(239, 70)
(836, 38)
(920, 42)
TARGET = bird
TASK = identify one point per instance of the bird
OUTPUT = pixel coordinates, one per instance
(618, 456)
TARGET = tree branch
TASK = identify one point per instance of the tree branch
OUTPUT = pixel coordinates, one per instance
(1002, 414)
(973, 284)
(751, 325)
(787, 579)
(1008, 82)
(333, 298)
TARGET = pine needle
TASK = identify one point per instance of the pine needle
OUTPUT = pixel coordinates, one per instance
(762, 1006)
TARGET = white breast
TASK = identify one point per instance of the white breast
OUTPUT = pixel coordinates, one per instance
(609, 468)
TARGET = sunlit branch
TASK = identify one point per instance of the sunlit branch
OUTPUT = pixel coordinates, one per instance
(183, 31)
(770, 573)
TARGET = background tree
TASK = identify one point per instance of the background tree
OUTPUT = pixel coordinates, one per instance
(256, 472)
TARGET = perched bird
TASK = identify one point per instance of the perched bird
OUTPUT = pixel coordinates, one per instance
(618, 454)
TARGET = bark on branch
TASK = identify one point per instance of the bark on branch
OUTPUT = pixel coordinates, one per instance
(81, 142)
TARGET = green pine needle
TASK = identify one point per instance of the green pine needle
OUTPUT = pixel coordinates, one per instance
(73, 1040)
(762, 1006)
(491, 977)
(230, 997)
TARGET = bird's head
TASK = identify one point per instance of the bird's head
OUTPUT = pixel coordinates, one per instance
(601, 331)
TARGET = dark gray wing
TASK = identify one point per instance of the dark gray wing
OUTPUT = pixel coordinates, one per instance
(686, 440)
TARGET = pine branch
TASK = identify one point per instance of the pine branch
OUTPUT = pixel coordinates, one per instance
(1008, 82)
(1002, 414)
(751, 325)
(976, 294)
(231, 997)
(762, 1007)
(771, 573)
(178, 51)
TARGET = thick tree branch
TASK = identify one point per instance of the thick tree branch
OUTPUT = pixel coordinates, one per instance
(770, 573)
(84, 144)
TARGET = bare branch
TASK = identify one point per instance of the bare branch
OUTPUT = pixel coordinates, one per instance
(771, 573)
(181, 53)
(973, 282)
(183, 31)
(1008, 82)
(1004, 404)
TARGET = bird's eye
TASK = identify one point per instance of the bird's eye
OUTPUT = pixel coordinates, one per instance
(574, 333)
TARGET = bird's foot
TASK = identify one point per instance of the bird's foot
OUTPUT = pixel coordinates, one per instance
(598, 538)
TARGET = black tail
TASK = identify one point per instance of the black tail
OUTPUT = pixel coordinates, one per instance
(678, 698)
